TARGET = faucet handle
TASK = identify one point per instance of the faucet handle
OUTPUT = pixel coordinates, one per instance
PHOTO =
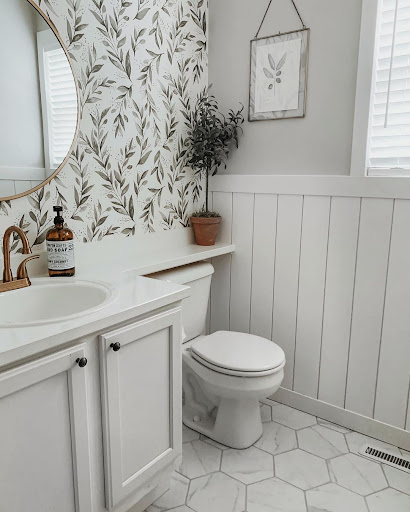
(22, 270)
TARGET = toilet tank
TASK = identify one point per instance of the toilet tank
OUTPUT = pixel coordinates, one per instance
(198, 277)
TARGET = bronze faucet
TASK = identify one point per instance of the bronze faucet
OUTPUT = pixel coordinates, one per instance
(22, 280)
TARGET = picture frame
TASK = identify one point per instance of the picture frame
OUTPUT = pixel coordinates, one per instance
(278, 76)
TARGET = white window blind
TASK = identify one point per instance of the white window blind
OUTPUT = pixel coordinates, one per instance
(389, 126)
(59, 100)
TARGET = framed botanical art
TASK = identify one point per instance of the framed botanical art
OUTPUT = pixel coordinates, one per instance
(278, 78)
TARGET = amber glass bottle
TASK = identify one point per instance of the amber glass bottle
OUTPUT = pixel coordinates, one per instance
(60, 248)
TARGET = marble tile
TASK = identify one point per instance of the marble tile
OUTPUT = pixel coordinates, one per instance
(216, 493)
(266, 413)
(276, 438)
(292, 417)
(174, 497)
(355, 441)
(273, 495)
(189, 435)
(199, 459)
(301, 469)
(248, 466)
(288, 459)
(322, 441)
(357, 474)
(184, 508)
(333, 426)
(213, 443)
(397, 478)
(333, 498)
(389, 500)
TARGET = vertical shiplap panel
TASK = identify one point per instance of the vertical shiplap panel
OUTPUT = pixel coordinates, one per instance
(22, 186)
(368, 304)
(313, 255)
(222, 203)
(208, 316)
(340, 276)
(407, 427)
(286, 278)
(7, 188)
(241, 269)
(221, 281)
(263, 267)
(208, 312)
(394, 365)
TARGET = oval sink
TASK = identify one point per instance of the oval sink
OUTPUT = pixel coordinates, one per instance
(52, 300)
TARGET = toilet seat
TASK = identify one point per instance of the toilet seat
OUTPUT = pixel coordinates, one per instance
(238, 354)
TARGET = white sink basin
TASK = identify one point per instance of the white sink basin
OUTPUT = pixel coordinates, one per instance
(53, 300)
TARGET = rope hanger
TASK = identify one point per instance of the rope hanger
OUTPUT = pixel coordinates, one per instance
(267, 10)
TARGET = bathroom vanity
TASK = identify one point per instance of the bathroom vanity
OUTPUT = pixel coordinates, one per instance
(90, 407)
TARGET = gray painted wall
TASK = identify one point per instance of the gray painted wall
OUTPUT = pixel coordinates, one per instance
(321, 142)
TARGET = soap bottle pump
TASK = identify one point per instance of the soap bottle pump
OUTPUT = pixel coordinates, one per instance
(60, 248)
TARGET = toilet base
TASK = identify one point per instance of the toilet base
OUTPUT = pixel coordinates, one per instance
(234, 423)
(223, 407)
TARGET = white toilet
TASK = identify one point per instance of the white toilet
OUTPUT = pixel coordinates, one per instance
(225, 374)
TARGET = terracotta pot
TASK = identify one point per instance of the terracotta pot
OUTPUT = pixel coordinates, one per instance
(205, 229)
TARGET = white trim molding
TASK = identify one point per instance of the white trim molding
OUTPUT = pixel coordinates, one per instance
(364, 87)
(336, 186)
(23, 173)
(398, 172)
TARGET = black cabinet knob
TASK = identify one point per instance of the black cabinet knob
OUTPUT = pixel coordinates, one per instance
(116, 346)
(82, 362)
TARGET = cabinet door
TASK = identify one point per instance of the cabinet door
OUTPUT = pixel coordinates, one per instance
(44, 457)
(141, 396)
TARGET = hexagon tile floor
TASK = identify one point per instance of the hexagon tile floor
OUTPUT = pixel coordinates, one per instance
(300, 464)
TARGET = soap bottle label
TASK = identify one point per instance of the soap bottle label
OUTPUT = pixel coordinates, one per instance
(60, 255)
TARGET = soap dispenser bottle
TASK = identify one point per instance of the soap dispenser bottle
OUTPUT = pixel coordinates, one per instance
(60, 248)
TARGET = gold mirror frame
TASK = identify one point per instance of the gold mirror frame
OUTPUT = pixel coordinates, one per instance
(63, 163)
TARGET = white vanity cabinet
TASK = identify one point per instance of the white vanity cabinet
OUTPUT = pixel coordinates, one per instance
(97, 426)
(141, 403)
(44, 437)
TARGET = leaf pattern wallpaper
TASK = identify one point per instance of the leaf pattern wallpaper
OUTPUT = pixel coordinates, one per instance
(140, 66)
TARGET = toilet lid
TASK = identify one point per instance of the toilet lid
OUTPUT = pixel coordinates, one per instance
(238, 352)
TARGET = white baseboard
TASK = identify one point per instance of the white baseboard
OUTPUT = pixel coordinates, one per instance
(352, 420)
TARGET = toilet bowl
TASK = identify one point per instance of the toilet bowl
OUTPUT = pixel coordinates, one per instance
(223, 388)
(224, 374)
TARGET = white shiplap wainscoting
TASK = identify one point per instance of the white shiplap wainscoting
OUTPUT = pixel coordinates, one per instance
(322, 267)
(15, 180)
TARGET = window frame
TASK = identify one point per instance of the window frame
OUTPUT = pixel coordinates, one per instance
(364, 84)
(46, 41)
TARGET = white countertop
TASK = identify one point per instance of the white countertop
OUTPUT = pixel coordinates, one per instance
(143, 253)
(133, 296)
(120, 263)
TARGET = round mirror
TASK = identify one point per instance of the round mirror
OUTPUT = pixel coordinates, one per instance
(38, 100)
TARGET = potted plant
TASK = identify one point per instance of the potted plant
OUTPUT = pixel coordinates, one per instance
(210, 141)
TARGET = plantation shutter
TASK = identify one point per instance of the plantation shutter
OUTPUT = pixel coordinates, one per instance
(59, 102)
(389, 126)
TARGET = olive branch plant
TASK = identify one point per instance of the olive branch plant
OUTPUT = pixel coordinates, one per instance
(210, 140)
